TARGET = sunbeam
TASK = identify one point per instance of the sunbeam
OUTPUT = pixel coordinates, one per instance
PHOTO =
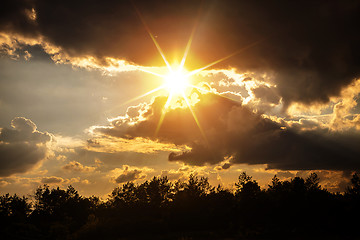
(176, 81)
(163, 112)
(153, 73)
(144, 95)
(152, 37)
(224, 58)
(196, 119)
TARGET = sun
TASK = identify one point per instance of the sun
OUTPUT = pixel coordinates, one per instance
(176, 82)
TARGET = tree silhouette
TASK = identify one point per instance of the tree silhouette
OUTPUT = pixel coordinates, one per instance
(246, 188)
(14, 206)
(354, 190)
(159, 191)
(59, 212)
(14, 211)
(312, 183)
(192, 209)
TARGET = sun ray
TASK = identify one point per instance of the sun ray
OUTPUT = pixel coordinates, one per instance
(176, 80)
(153, 73)
(224, 58)
(182, 63)
(167, 104)
(161, 119)
(188, 45)
(162, 116)
(196, 119)
(152, 37)
(144, 95)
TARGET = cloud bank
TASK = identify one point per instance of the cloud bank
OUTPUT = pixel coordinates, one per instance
(311, 48)
(233, 131)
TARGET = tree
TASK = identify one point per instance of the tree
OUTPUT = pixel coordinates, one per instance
(188, 208)
(159, 191)
(124, 195)
(312, 183)
(275, 184)
(14, 206)
(246, 187)
(197, 187)
(59, 212)
(243, 179)
(354, 190)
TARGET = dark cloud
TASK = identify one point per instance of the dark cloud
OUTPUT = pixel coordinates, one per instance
(225, 166)
(20, 51)
(232, 130)
(311, 47)
(50, 180)
(23, 130)
(14, 17)
(130, 175)
(267, 94)
(22, 147)
(77, 167)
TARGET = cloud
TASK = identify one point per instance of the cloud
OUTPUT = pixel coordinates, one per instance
(51, 180)
(3, 183)
(305, 124)
(172, 174)
(343, 117)
(311, 48)
(77, 167)
(128, 174)
(109, 144)
(16, 18)
(22, 147)
(62, 181)
(224, 166)
(183, 172)
(340, 114)
(232, 131)
(267, 94)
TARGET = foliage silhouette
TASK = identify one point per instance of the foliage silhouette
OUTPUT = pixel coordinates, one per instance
(193, 209)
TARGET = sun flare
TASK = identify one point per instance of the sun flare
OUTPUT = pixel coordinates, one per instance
(176, 82)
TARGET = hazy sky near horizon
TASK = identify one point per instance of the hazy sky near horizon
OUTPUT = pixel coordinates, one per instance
(277, 91)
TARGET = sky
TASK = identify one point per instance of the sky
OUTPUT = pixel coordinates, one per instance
(97, 93)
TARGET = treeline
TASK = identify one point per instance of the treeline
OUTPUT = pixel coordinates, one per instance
(193, 209)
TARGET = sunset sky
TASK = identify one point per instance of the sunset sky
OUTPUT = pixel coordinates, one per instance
(98, 93)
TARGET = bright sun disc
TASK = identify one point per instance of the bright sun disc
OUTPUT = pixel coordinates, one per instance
(176, 82)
